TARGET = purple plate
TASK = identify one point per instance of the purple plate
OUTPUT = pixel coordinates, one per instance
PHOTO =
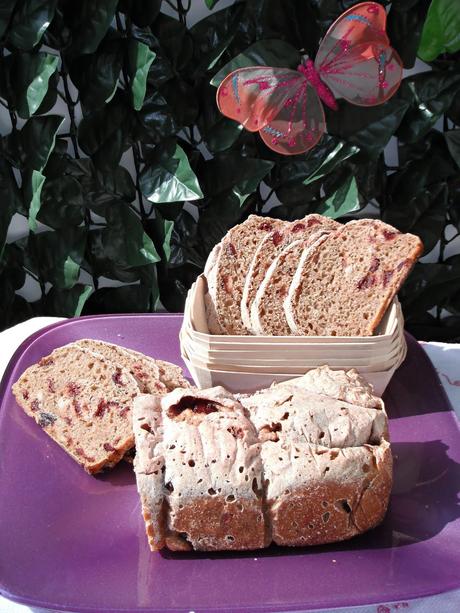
(70, 541)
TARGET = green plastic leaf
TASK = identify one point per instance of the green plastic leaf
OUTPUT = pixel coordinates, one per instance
(9, 200)
(343, 201)
(404, 28)
(339, 154)
(29, 75)
(89, 22)
(144, 12)
(223, 134)
(6, 10)
(140, 58)
(61, 202)
(31, 147)
(169, 178)
(30, 21)
(67, 302)
(155, 121)
(56, 256)
(231, 172)
(430, 95)
(102, 134)
(262, 53)
(211, 3)
(124, 239)
(441, 31)
(96, 75)
(36, 184)
(453, 142)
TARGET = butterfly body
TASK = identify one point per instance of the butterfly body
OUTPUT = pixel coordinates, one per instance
(355, 61)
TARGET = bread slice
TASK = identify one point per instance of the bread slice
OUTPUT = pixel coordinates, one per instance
(198, 472)
(210, 273)
(225, 284)
(83, 402)
(267, 310)
(152, 376)
(344, 286)
(271, 246)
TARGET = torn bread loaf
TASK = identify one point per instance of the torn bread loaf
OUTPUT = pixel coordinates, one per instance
(198, 471)
(345, 284)
(83, 402)
(290, 464)
(269, 248)
(226, 272)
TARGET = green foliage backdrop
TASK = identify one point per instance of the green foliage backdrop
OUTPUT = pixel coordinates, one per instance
(143, 84)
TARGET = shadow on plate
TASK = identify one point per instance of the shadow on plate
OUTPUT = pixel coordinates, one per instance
(415, 388)
(423, 501)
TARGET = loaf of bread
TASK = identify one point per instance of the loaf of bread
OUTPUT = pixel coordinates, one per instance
(304, 462)
(344, 286)
(82, 396)
(82, 401)
(269, 248)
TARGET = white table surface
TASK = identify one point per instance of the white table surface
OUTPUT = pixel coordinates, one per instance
(446, 360)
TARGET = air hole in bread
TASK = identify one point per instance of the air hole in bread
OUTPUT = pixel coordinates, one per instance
(321, 435)
(169, 486)
(285, 416)
(189, 406)
(212, 491)
(230, 538)
(191, 463)
(146, 427)
(230, 498)
(333, 454)
(326, 517)
(321, 451)
(345, 506)
(255, 488)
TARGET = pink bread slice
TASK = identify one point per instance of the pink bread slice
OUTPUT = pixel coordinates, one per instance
(225, 288)
(267, 310)
(271, 246)
(345, 285)
(83, 402)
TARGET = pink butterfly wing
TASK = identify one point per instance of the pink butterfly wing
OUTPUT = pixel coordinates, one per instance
(355, 58)
(298, 125)
(253, 96)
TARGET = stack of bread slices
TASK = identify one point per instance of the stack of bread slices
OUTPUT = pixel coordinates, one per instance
(311, 277)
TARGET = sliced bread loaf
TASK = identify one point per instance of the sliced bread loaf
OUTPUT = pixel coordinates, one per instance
(267, 310)
(84, 402)
(225, 288)
(344, 285)
(271, 246)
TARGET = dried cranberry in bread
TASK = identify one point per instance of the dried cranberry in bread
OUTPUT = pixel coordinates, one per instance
(198, 471)
(344, 286)
(271, 246)
(153, 376)
(225, 287)
(267, 310)
(145, 371)
(84, 402)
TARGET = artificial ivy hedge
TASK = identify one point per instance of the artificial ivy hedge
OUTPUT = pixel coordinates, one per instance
(145, 83)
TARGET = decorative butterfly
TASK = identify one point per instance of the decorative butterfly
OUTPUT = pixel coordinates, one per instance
(355, 61)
